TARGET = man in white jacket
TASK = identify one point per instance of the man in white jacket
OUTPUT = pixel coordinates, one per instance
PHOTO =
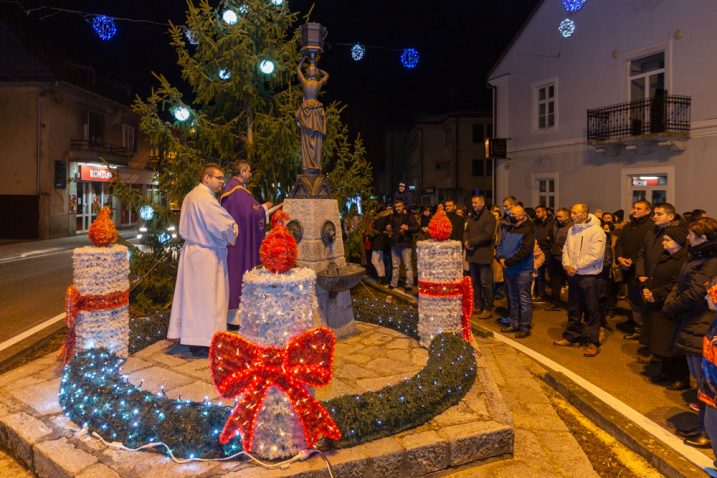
(583, 260)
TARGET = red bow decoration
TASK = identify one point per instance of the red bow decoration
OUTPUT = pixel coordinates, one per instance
(241, 367)
(74, 303)
(462, 289)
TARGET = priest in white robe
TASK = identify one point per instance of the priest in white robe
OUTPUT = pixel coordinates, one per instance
(201, 294)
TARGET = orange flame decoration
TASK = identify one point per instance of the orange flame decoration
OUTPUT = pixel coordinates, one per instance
(102, 231)
(440, 227)
(278, 251)
(712, 291)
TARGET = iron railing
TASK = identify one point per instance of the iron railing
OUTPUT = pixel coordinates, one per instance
(661, 115)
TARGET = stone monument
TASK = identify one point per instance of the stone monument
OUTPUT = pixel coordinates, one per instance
(317, 226)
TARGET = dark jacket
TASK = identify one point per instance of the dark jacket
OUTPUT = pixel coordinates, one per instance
(458, 223)
(660, 283)
(630, 240)
(480, 235)
(543, 230)
(652, 250)
(379, 240)
(403, 239)
(558, 236)
(686, 302)
(517, 243)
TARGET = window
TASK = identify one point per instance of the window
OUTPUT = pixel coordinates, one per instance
(128, 137)
(546, 98)
(647, 76)
(478, 167)
(489, 167)
(545, 191)
(478, 134)
(652, 187)
(94, 127)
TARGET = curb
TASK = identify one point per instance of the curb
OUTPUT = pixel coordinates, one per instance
(666, 460)
(28, 346)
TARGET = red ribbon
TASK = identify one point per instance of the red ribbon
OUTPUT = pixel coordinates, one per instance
(463, 289)
(240, 367)
(74, 303)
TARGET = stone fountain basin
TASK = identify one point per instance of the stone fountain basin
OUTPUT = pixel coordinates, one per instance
(348, 277)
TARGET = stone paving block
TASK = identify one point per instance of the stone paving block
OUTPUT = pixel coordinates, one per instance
(23, 372)
(456, 415)
(354, 371)
(133, 364)
(19, 432)
(477, 441)
(377, 383)
(154, 378)
(426, 452)
(162, 347)
(383, 365)
(349, 463)
(358, 358)
(336, 388)
(98, 470)
(534, 416)
(59, 458)
(195, 368)
(170, 361)
(195, 391)
(42, 397)
(151, 464)
(387, 457)
(26, 380)
(565, 449)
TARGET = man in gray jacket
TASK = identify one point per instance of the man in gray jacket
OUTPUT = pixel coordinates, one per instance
(478, 240)
(583, 260)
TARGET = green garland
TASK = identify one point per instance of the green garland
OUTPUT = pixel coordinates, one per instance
(94, 394)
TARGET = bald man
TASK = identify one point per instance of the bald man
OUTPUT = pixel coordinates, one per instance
(515, 256)
(583, 261)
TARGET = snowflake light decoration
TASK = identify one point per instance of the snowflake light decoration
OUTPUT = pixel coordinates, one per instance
(409, 58)
(190, 36)
(566, 27)
(224, 74)
(572, 6)
(358, 51)
(267, 67)
(104, 26)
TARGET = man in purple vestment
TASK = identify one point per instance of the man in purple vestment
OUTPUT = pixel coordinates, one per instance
(251, 218)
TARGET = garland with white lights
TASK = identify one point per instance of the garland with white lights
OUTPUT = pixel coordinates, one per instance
(94, 395)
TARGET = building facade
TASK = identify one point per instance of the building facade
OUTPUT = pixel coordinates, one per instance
(446, 158)
(622, 109)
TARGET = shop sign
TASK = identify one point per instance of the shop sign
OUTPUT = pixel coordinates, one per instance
(95, 173)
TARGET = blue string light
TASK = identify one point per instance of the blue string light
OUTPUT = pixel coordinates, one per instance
(572, 6)
(409, 58)
(566, 28)
(358, 51)
(104, 26)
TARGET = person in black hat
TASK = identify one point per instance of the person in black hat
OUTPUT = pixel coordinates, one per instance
(405, 195)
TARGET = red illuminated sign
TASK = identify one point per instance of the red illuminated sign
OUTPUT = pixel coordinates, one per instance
(95, 173)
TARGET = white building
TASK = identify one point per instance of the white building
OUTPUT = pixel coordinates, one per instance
(624, 108)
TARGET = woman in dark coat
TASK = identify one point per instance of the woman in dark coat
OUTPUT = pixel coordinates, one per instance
(687, 307)
(662, 329)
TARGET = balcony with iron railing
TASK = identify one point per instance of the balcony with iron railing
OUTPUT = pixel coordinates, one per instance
(88, 150)
(662, 118)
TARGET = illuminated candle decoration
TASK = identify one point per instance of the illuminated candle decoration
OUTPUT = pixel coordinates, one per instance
(566, 27)
(358, 51)
(104, 26)
(409, 58)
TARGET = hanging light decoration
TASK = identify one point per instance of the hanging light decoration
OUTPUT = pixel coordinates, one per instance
(182, 113)
(190, 36)
(224, 74)
(566, 27)
(146, 212)
(358, 51)
(104, 26)
(409, 58)
(230, 17)
(267, 67)
(572, 6)
(278, 3)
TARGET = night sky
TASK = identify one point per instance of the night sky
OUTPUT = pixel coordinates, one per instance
(458, 40)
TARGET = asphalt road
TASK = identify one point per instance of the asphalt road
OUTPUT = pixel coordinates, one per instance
(32, 291)
(615, 369)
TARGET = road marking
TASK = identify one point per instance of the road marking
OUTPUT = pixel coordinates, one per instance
(32, 331)
(33, 255)
(645, 423)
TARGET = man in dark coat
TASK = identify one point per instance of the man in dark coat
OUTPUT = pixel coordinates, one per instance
(478, 241)
(543, 225)
(380, 243)
(658, 285)
(404, 195)
(457, 221)
(401, 227)
(652, 251)
(558, 235)
(627, 249)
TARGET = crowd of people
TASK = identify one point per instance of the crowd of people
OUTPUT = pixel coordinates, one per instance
(661, 263)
